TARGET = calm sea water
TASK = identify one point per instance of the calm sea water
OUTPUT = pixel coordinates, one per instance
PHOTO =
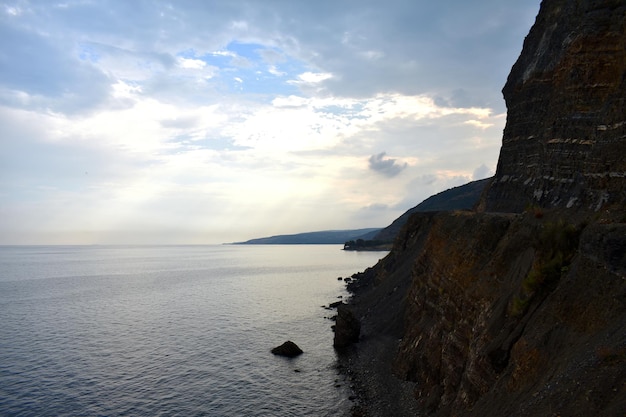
(170, 330)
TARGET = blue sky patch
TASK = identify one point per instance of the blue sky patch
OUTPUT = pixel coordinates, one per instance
(250, 68)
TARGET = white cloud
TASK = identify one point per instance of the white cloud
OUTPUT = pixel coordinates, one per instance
(312, 78)
(224, 53)
(291, 101)
(165, 158)
(125, 90)
(140, 126)
(240, 25)
(188, 63)
(274, 71)
(479, 124)
(12, 10)
(372, 55)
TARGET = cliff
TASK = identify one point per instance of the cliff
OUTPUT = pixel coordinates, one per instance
(564, 141)
(495, 315)
(518, 309)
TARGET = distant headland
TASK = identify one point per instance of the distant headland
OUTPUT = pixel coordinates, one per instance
(326, 237)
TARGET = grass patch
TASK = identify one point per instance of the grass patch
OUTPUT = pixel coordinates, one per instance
(555, 248)
(518, 306)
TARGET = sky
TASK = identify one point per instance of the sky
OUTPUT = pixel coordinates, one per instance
(213, 121)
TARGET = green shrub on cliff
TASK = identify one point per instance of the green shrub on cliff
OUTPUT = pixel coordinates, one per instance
(555, 248)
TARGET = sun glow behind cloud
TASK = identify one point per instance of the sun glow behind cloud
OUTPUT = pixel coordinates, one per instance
(212, 136)
(174, 161)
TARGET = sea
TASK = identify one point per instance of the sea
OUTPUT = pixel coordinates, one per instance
(171, 330)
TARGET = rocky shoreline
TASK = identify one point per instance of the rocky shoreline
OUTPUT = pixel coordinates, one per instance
(454, 321)
(518, 307)
(365, 354)
(375, 391)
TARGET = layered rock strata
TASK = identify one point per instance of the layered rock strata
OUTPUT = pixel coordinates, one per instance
(494, 315)
(564, 144)
(508, 311)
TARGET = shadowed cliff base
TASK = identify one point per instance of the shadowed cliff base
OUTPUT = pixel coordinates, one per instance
(518, 309)
(492, 314)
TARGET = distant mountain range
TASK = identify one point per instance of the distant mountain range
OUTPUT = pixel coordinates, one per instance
(327, 237)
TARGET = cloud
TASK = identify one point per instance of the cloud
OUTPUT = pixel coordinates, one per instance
(311, 82)
(386, 166)
(272, 56)
(274, 71)
(197, 120)
(483, 171)
(313, 78)
(376, 207)
(191, 63)
(139, 154)
(46, 75)
(479, 124)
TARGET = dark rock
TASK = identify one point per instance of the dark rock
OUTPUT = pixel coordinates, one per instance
(335, 304)
(565, 137)
(496, 313)
(347, 328)
(288, 349)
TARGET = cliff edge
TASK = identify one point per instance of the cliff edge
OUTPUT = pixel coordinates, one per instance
(518, 309)
(565, 137)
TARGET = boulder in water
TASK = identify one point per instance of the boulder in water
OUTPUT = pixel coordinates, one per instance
(288, 349)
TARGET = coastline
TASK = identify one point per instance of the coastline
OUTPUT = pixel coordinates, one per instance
(368, 364)
(375, 391)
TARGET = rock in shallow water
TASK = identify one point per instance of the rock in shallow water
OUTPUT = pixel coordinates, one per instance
(347, 329)
(288, 349)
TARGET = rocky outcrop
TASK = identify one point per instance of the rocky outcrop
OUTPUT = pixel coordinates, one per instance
(288, 349)
(347, 328)
(565, 136)
(507, 311)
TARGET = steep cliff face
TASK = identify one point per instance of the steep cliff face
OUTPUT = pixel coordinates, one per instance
(565, 137)
(517, 316)
(496, 315)
(507, 311)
